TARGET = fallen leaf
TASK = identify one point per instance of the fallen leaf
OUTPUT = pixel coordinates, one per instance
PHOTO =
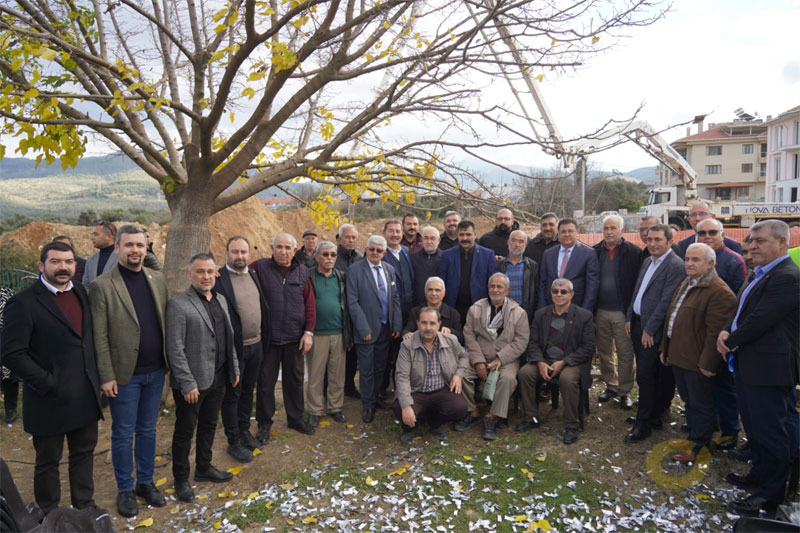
(158, 457)
(161, 481)
(269, 504)
(217, 525)
(521, 518)
(257, 452)
(235, 470)
(702, 496)
(225, 495)
(252, 495)
(170, 491)
(309, 520)
(468, 458)
(325, 423)
(371, 482)
(350, 426)
(398, 472)
(147, 522)
(356, 437)
(541, 456)
(202, 497)
(174, 509)
(287, 486)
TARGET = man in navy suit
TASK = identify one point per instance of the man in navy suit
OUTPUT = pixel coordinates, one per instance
(571, 260)
(466, 269)
(374, 305)
(701, 211)
(658, 278)
(761, 344)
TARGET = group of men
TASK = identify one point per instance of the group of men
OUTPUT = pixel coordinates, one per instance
(445, 317)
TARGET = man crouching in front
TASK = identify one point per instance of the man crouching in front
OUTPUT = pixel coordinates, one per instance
(428, 374)
(201, 356)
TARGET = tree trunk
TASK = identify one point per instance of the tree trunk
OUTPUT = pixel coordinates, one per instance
(189, 234)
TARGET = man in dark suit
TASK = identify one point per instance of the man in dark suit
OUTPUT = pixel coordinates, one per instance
(202, 358)
(497, 239)
(466, 269)
(250, 316)
(658, 278)
(698, 212)
(449, 321)
(546, 239)
(374, 305)
(399, 258)
(561, 347)
(644, 226)
(346, 255)
(425, 263)
(80, 262)
(572, 260)
(761, 343)
(47, 342)
(103, 236)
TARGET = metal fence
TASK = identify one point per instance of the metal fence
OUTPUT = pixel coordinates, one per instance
(16, 280)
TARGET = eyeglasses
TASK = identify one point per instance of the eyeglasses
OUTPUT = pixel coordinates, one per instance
(375, 250)
(700, 214)
(328, 254)
(710, 232)
(560, 291)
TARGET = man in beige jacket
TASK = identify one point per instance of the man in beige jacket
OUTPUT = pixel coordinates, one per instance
(496, 334)
(428, 373)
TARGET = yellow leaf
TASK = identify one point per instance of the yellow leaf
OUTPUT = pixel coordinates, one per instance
(158, 458)
(371, 482)
(468, 458)
(161, 481)
(174, 509)
(539, 78)
(147, 522)
(232, 116)
(386, 25)
(256, 452)
(287, 486)
(398, 472)
(521, 518)
(553, 42)
(31, 93)
(542, 524)
(356, 437)
(202, 497)
(290, 521)
(309, 520)
(248, 92)
(255, 76)
(269, 504)
(325, 423)
(48, 54)
(169, 491)
(216, 17)
(595, 39)
(702, 496)
(541, 456)
(252, 495)
(217, 525)
(235, 471)
(350, 426)
(225, 495)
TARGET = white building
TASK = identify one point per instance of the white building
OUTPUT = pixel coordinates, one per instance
(783, 157)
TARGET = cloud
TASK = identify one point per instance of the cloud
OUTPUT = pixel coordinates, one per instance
(791, 72)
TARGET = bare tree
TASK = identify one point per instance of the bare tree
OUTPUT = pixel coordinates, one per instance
(218, 101)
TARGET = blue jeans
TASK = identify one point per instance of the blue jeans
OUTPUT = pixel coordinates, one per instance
(135, 410)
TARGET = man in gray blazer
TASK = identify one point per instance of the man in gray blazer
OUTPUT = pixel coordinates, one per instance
(374, 304)
(128, 306)
(103, 238)
(659, 276)
(201, 356)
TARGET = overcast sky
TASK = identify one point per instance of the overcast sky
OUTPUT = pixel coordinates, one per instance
(703, 57)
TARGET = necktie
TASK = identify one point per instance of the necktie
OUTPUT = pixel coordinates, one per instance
(564, 263)
(383, 296)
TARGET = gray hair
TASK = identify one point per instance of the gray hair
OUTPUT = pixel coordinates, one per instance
(451, 212)
(324, 245)
(428, 309)
(711, 255)
(562, 282)
(618, 219)
(549, 215)
(377, 239)
(778, 228)
(505, 278)
(129, 229)
(284, 234)
(344, 227)
(429, 228)
(434, 279)
(714, 221)
(649, 217)
(525, 235)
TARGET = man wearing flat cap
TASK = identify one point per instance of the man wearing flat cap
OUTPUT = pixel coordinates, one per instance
(305, 255)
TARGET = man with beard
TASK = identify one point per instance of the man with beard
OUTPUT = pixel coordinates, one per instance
(497, 239)
(523, 272)
(429, 371)
(128, 308)
(47, 342)
(346, 255)
(103, 236)
(546, 239)
(496, 335)
(449, 238)
(411, 237)
(425, 263)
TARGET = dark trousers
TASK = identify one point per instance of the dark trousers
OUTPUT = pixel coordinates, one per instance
(435, 407)
(391, 360)
(371, 364)
(238, 402)
(201, 415)
(697, 392)
(350, 368)
(288, 359)
(10, 388)
(727, 408)
(46, 483)
(656, 382)
(764, 415)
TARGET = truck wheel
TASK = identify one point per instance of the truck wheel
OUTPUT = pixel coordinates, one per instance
(794, 224)
(675, 227)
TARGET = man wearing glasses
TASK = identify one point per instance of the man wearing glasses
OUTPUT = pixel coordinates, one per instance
(699, 212)
(332, 336)
(497, 239)
(373, 302)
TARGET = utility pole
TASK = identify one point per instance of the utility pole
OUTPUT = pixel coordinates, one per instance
(582, 174)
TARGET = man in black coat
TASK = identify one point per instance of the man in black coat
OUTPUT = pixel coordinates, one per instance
(497, 239)
(546, 239)
(761, 344)
(47, 342)
(425, 263)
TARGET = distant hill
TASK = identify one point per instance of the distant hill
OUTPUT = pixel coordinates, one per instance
(645, 174)
(22, 167)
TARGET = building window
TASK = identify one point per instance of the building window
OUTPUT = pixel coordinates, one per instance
(777, 169)
(747, 148)
(743, 193)
(796, 167)
(747, 168)
(722, 193)
(780, 196)
(797, 132)
(779, 136)
(793, 195)
(763, 149)
(713, 150)
(713, 169)
(762, 169)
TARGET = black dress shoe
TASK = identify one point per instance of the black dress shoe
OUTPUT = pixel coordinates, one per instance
(249, 441)
(381, 404)
(489, 428)
(353, 394)
(528, 423)
(752, 506)
(466, 422)
(183, 491)
(625, 402)
(501, 423)
(263, 434)
(639, 433)
(742, 454)
(338, 416)
(438, 432)
(606, 395)
(213, 475)
(126, 504)
(631, 420)
(727, 442)
(11, 414)
(302, 427)
(747, 481)
(368, 415)
(313, 420)
(151, 495)
(685, 428)
(570, 435)
(407, 437)
(239, 452)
